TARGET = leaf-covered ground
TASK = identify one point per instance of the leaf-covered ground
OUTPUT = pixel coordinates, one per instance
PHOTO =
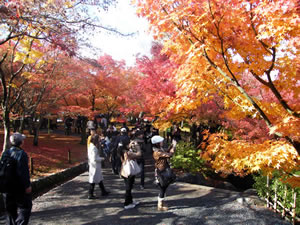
(51, 154)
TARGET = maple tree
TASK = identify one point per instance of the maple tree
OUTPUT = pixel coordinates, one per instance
(219, 45)
(14, 77)
(27, 25)
(30, 89)
(152, 87)
(99, 87)
(63, 23)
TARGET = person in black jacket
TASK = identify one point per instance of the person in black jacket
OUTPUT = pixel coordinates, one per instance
(115, 160)
(125, 153)
(18, 202)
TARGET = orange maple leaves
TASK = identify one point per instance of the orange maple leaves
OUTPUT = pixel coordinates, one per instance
(221, 44)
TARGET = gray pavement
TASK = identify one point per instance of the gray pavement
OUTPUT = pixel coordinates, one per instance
(189, 204)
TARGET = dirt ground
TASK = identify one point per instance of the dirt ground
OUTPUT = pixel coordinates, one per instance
(53, 151)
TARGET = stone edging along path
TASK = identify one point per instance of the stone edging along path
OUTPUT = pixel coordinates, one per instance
(44, 184)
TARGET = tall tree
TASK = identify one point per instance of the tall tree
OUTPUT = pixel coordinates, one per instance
(27, 24)
(218, 44)
(153, 88)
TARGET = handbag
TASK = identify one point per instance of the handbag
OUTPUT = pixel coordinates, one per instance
(130, 168)
(166, 177)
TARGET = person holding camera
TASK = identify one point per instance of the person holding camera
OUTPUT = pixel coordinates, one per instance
(161, 157)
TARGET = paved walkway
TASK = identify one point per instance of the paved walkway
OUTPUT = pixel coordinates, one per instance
(189, 204)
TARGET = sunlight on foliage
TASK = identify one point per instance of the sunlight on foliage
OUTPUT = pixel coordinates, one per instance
(187, 157)
(242, 158)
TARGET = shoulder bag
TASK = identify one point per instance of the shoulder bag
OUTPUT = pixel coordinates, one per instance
(130, 168)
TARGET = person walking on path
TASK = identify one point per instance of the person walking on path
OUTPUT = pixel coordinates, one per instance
(138, 145)
(95, 170)
(176, 135)
(92, 132)
(115, 159)
(148, 134)
(161, 158)
(126, 154)
(90, 125)
(18, 202)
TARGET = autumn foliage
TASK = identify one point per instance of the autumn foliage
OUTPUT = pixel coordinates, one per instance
(245, 52)
(233, 62)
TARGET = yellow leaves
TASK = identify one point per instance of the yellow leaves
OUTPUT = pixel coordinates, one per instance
(26, 44)
(162, 125)
(243, 157)
(26, 75)
(36, 54)
(28, 60)
(19, 56)
(27, 55)
(40, 63)
(13, 85)
(69, 4)
(289, 126)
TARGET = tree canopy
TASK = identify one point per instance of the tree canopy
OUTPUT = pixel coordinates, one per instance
(233, 62)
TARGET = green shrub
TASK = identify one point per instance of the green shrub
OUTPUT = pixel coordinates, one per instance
(261, 188)
(187, 157)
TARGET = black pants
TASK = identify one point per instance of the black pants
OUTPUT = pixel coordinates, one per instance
(92, 188)
(115, 163)
(18, 208)
(141, 163)
(128, 187)
(162, 190)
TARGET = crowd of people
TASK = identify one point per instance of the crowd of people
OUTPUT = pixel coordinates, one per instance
(119, 145)
(116, 145)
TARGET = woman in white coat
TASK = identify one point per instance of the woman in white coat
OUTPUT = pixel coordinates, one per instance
(95, 170)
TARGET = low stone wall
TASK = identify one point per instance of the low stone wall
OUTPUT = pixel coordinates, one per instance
(201, 180)
(46, 183)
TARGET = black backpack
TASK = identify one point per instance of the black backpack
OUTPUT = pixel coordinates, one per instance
(8, 173)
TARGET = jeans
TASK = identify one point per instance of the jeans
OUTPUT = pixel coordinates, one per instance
(128, 187)
(18, 208)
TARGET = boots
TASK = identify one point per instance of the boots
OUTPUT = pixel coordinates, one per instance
(161, 205)
(103, 191)
(91, 191)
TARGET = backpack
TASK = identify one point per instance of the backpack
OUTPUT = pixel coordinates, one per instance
(8, 173)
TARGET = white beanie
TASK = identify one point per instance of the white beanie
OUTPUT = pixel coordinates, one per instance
(156, 139)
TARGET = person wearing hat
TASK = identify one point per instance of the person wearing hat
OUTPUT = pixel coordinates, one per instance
(18, 202)
(125, 126)
(161, 157)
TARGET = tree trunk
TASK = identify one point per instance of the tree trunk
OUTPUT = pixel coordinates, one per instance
(83, 131)
(21, 128)
(30, 125)
(48, 125)
(6, 125)
(35, 136)
(36, 129)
